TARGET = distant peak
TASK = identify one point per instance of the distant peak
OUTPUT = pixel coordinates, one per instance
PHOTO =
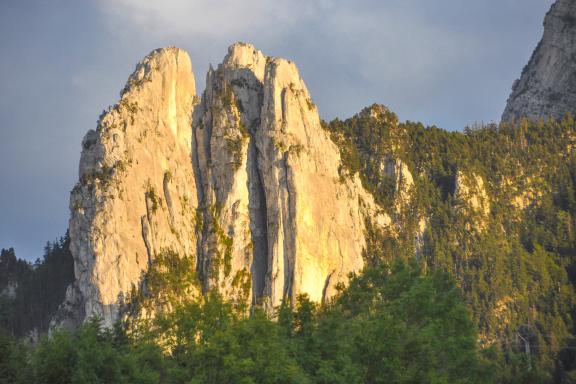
(378, 112)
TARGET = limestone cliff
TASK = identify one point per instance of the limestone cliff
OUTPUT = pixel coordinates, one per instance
(247, 182)
(137, 192)
(272, 195)
(472, 200)
(402, 179)
(547, 87)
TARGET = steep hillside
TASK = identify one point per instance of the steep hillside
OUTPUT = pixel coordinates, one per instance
(495, 207)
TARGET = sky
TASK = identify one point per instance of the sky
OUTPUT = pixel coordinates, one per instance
(448, 63)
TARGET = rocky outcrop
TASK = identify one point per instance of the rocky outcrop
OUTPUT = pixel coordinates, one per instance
(403, 180)
(472, 199)
(315, 222)
(247, 182)
(272, 193)
(233, 240)
(547, 87)
(137, 192)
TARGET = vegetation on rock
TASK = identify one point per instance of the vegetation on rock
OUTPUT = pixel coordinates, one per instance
(515, 266)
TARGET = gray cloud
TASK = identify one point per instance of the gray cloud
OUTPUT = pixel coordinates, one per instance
(444, 62)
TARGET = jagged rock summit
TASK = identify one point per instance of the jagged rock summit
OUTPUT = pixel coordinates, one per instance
(547, 86)
(244, 180)
(136, 193)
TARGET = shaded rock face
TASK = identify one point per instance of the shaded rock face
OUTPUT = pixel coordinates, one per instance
(403, 181)
(246, 182)
(547, 87)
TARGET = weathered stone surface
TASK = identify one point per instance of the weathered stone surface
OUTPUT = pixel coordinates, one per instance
(472, 199)
(274, 170)
(137, 192)
(247, 182)
(72, 312)
(547, 87)
(225, 162)
(403, 181)
(315, 222)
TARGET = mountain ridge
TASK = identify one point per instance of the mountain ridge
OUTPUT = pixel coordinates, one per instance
(229, 179)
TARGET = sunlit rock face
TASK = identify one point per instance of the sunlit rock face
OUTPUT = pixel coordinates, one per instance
(233, 234)
(137, 192)
(472, 200)
(244, 179)
(547, 87)
(271, 185)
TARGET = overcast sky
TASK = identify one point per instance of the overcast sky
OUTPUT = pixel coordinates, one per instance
(443, 62)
